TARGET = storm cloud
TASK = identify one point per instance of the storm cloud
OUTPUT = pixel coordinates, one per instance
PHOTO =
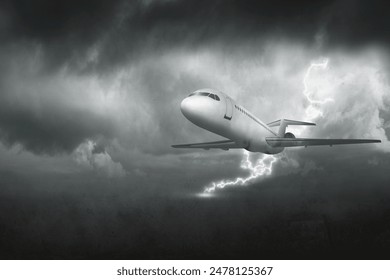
(89, 103)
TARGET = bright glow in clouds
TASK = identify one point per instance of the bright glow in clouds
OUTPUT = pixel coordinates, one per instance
(263, 166)
(312, 111)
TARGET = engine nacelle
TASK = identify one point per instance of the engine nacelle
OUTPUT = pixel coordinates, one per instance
(289, 135)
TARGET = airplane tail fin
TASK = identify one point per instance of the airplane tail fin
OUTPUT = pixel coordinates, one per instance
(283, 123)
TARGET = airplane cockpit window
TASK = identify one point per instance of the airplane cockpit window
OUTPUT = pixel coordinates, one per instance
(199, 94)
(214, 96)
(211, 95)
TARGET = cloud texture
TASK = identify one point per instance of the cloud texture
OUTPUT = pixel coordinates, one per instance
(89, 106)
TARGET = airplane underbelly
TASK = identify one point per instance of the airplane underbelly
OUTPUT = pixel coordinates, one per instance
(255, 135)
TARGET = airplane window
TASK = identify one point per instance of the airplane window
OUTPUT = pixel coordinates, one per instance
(215, 96)
(212, 96)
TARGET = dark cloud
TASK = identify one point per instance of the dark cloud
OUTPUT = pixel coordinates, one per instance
(64, 29)
(46, 21)
(322, 215)
(88, 36)
(97, 85)
(69, 31)
(84, 20)
(52, 132)
(358, 23)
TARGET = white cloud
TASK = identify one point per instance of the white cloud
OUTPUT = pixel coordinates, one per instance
(100, 162)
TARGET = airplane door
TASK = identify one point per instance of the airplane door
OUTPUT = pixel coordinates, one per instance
(229, 109)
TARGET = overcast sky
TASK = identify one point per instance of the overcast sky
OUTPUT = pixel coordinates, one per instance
(90, 96)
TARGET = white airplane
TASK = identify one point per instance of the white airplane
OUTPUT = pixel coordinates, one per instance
(216, 112)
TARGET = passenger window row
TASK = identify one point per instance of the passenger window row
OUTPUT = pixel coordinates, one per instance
(253, 118)
(246, 113)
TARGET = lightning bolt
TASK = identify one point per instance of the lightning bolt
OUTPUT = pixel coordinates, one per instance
(263, 165)
(313, 110)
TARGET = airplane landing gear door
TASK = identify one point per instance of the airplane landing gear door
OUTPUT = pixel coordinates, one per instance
(229, 109)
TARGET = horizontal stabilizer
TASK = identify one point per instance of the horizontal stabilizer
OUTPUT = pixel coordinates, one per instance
(224, 145)
(288, 122)
(295, 142)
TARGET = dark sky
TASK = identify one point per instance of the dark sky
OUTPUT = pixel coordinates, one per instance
(89, 106)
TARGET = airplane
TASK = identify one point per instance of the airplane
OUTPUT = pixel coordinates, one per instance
(216, 112)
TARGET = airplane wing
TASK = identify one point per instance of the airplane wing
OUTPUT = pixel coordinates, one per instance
(295, 142)
(224, 145)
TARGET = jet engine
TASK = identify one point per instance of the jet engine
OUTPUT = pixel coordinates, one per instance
(289, 135)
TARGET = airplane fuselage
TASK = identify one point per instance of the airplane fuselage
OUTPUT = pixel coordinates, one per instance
(220, 114)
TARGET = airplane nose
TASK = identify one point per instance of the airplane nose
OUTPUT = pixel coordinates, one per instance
(185, 106)
(196, 109)
(191, 108)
